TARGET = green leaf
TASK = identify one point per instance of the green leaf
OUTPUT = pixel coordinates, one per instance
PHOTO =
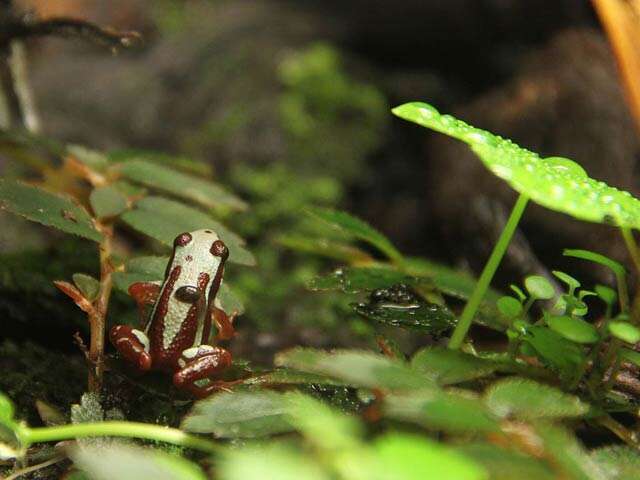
(324, 247)
(574, 329)
(240, 415)
(539, 287)
(268, 461)
(435, 410)
(409, 312)
(229, 301)
(91, 158)
(506, 464)
(107, 201)
(325, 427)
(598, 258)
(179, 184)
(357, 368)
(554, 349)
(47, 208)
(448, 367)
(164, 219)
(624, 331)
(7, 411)
(630, 355)
(525, 399)
(88, 285)
(170, 160)
(564, 450)
(607, 294)
(134, 463)
(619, 462)
(555, 183)
(285, 376)
(571, 282)
(358, 279)
(509, 307)
(413, 457)
(140, 269)
(520, 294)
(357, 228)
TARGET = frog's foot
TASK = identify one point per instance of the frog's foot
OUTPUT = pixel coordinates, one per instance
(133, 345)
(200, 363)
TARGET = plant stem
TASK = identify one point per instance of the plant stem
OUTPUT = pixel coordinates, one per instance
(490, 268)
(118, 429)
(632, 246)
(97, 317)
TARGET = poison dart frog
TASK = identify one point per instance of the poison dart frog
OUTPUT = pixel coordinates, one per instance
(175, 337)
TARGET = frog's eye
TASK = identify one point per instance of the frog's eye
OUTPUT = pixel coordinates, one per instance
(219, 249)
(188, 294)
(182, 239)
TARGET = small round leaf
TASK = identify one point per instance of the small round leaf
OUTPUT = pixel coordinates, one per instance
(607, 294)
(509, 306)
(539, 287)
(574, 329)
(625, 332)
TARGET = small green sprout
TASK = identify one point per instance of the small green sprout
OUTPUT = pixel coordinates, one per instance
(556, 183)
(539, 287)
(509, 307)
(624, 331)
(608, 296)
(518, 291)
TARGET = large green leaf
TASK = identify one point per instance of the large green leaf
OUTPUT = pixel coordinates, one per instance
(240, 414)
(565, 451)
(126, 462)
(354, 367)
(556, 183)
(525, 399)
(503, 464)
(357, 228)
(268, 461)
(448, 367)
(450, 412)
(164, 219)
(413, 457)
(324, 247)
(47, 208)
(179, 184)
(619, 462)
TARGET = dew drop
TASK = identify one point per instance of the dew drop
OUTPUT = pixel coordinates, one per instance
(475, 136)
(427, 111)
(566, 165)
(503, 172)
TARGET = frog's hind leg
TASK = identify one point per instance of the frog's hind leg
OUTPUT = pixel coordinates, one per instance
(133, 345)
(200, 363)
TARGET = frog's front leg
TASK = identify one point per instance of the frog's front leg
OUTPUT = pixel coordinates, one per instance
(199, 363)
(133, 345)
(144, 293)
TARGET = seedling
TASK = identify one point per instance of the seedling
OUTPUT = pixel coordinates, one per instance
(556, 183)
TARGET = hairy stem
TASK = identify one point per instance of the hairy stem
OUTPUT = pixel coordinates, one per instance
(98, 316)
(490, 268)
(118, 429)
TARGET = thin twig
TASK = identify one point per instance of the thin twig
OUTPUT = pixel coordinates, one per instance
(69, 28)
(97, 318)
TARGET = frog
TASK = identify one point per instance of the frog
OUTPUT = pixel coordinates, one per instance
(174, 337)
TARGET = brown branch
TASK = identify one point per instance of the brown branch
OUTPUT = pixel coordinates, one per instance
(68, 28)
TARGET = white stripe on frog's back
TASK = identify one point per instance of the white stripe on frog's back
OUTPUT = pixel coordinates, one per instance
(195, 259)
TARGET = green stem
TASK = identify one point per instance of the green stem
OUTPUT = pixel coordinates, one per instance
(490, 268)
(117, 429)
(632, 246)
